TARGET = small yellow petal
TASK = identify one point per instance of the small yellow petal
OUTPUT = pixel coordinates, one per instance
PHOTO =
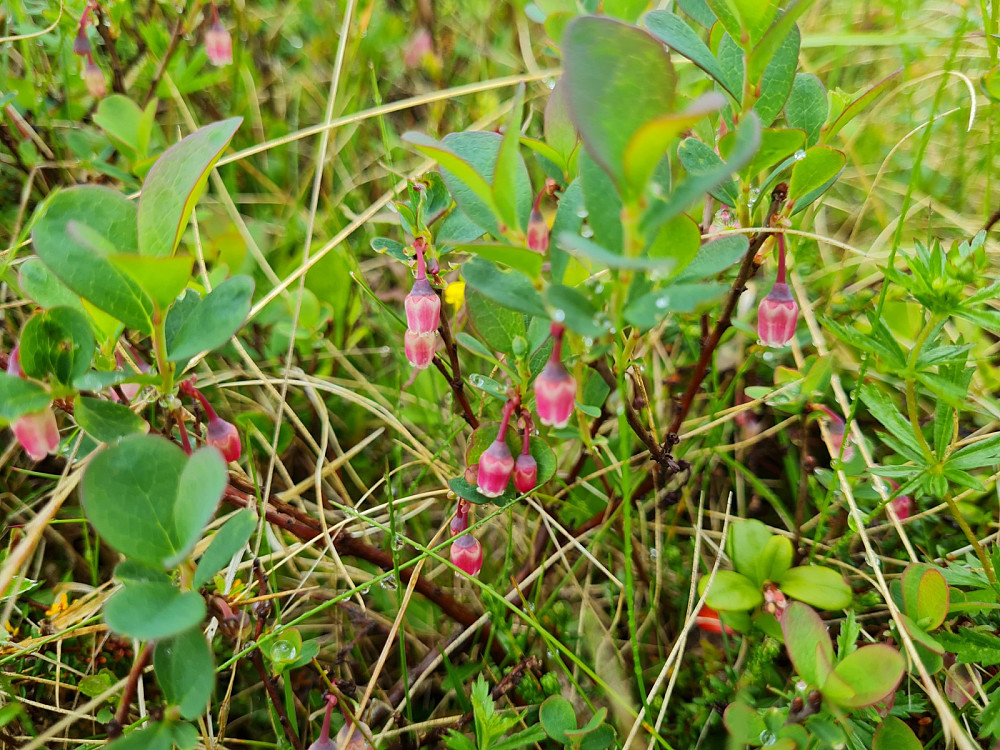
(454, 294)
(59, 605)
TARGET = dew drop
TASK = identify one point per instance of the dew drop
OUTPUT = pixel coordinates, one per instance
(662, 303)
(588, 342)
(582, 213)
(389, 584)
(767, 737)
(799, 155)
(653, 553)
(365, 590)
(586, 231)
(398, 542)
(559, 316)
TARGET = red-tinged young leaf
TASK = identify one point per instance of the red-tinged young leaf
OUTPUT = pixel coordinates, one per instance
(805, 637)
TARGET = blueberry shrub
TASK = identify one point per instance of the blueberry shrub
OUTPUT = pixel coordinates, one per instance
(546, 374)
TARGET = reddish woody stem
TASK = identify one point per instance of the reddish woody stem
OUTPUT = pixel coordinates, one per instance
(121, 716)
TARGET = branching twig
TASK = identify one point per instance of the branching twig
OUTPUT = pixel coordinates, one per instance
(306, 528)
(121, 716)
(454, 378)
(747, 269)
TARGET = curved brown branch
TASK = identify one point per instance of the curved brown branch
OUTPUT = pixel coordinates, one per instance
(306, 528)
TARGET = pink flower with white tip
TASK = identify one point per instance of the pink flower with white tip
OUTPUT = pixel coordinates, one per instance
(496, 464)
(419, 349)
(555, 388)
(778, 312)
(423, 306)
(467, 554)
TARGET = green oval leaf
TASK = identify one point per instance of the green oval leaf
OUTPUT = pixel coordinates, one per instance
(872, 672)
(557, 716)
(682, 38)
(214, 320)
(807, 106)
(174, 183)
(58, 343)
(732, 591)
(816, 585)
(185, 670)
(19, 397)
(106, 421)
(227, 542)
(136, 491)
(618, 78)
(75, 259)
(151, 610)
(894, 734)
(813, 175)
(808, 642)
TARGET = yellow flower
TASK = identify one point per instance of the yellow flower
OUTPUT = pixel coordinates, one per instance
(454, 294)
(60, 604)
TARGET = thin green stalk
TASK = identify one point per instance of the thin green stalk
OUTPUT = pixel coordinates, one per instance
(164, 367)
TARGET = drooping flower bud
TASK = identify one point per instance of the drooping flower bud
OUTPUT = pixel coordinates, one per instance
(219, 433)
(419, 47)
(419, 349)
(496, 463)
(81, 45)
(555, 388)
(323, 742)
(37, 433)
(224, 436)
(467, 554)
(902, 505)
(525, 467)
(423, 306)
(778, 313)
(538, 230)
(840, 442)
(353, 736)
(725, 218)
(218, 44)
(460, 522)
(93, 76)
(525, 473)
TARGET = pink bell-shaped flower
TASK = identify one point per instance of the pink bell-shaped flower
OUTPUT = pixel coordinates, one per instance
(81, 45)
(353, 736)
(903, 505)
(467, 554)
(37, 433)
(423, 306)
(93, 76)
(555, 388)
(778, 313)
(323, 742)
(525, 473)
(419, 349)
(218, 44)
(525, 467)
(538, 230)
(496, 462)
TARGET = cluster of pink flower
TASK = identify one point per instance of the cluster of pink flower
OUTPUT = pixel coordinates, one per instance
(423, 314)
(218, 47)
